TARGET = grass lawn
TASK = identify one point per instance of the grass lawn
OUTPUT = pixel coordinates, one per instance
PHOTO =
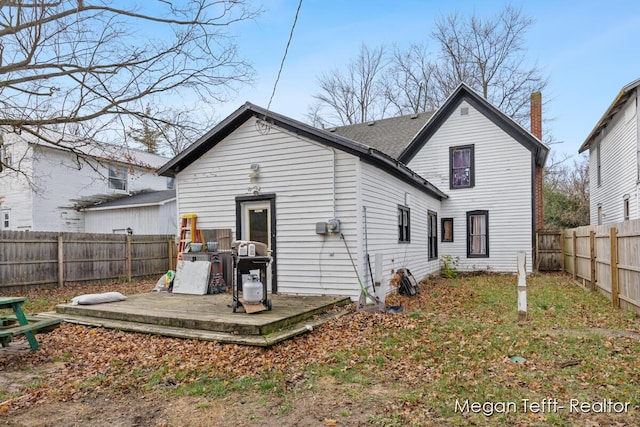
(457, 355)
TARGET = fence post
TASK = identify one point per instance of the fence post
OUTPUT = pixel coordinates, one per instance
(592, 258)
(614, 266)
(128, 257)
(575, 255)
(60, 261)
(562, 250)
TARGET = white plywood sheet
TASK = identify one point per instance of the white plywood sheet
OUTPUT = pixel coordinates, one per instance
(192, 277)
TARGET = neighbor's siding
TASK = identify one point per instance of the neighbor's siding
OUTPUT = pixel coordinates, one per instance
(503, 186)
(618, 167)
(300, 173)
(159, 219)
(381, 194)
(61, 183)
(15, 191)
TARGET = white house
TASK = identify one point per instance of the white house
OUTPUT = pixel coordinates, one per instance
(614, 160)
(152, 212)
(273, 179)
(489, 166)
(53, 185)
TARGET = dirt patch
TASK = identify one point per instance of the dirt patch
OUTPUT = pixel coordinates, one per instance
(302, 408)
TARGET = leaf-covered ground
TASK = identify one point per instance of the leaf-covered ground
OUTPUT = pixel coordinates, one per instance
(456, 355)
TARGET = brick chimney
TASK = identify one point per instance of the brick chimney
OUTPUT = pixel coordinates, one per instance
(536, 130)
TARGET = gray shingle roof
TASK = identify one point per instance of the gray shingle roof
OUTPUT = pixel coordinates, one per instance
(390, 136)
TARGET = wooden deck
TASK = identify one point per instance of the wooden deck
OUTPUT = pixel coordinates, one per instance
(208, 317)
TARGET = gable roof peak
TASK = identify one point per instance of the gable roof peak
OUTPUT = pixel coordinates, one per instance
(465, 92)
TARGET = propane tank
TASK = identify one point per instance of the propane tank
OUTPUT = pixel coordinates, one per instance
(252, 290)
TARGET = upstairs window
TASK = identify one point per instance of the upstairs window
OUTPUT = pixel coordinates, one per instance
(461, 165)
(171, 183)
(118, 178)
(404, 228)
(5, 157)
(6, 223)
(478, 234)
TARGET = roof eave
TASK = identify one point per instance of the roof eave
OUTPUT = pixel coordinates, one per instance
(233, 121)
(133, 205)
(463, 91)
(621, 98)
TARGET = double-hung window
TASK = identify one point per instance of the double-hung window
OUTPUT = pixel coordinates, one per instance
(478, 234)
(404, 226)
(118, 178)
(6, 219)
(461, 167)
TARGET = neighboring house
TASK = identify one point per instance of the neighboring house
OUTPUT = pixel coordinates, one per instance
(614, 160)
(274, 179)
(53, 184)
(151, 212)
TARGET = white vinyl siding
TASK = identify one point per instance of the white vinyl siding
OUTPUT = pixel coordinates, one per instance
(380, 195)
(16, 191)
(160, 219)
(300, 173)
(618, 153)
(61, 182)
(502, 186)
(54, 181)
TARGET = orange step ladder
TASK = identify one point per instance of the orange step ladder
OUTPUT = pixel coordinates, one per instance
(189, 232)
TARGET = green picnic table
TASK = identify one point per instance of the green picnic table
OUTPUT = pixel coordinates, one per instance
(26, 326)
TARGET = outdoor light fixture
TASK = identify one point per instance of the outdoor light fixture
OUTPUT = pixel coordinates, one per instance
(255, 172)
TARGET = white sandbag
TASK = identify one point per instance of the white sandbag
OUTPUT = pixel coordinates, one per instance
(88, 299)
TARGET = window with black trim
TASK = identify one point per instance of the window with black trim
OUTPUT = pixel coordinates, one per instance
(118, 178)
(6, 223)
(461, 167)
(626, 209)
(447, 229)
(433, 234)
(404, 226)
(478, 234)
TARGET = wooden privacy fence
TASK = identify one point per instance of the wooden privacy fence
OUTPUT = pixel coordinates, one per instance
(606, 258)
(550, 250)
(31, 258)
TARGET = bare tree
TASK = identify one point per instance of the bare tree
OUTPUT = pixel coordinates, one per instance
(79, 70)
(409, 81)
(566, 192)
(489, 55)
(354, 96)
(175, 138)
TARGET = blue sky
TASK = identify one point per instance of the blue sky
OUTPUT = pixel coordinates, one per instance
(589, 50)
